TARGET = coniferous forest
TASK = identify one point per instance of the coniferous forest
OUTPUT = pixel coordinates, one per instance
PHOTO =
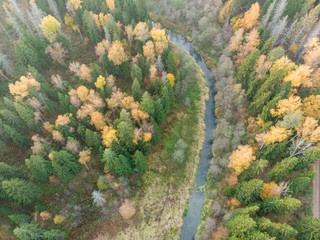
(103, 119)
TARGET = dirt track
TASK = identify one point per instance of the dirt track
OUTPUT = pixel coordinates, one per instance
(316, 192)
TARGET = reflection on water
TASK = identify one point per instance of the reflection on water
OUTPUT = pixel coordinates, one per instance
(191, 220)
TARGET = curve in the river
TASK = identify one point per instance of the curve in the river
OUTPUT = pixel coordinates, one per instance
(192, 219)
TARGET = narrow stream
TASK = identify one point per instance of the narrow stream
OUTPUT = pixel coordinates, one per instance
(192, 219)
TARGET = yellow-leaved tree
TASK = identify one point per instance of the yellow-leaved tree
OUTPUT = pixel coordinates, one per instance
(20, 88)
(117, 54)
(242, 158)
(84, 157)
(277, 134)
(300, 76)
(62, 120)
(98, 120)
(108, 136)
(148, 51)
(250, 17)
(311, 106)
(50, 27)
(309, 130)
(171, 78)
(160, 39)
(312, 56)
(270, 189)
(284, 106)
(110, 4)
(141, 32)
(100, 83)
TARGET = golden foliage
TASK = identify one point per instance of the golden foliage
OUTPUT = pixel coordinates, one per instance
(241, 158)
(147, 137)
(20, 89)
(148, 51)
(153, 72)
(250, 17)
(293, 47)
(62, 120)
(262, 67)
(84, 157)
(100, 83)
(312, 56)
(160, 38)
(82, 93)
(50, 26)
(47, 126)
(98, 120)
(283, 63)
(171, 78)
(309, 130)
(233, 203)
(85, 111)
(224, 12)
(311, 106)
(76, 4)
(233, 179)
(129, 103)
(299, 76)
(84, 73)
(277, 134)
(261, 138)
(270, 189)
(141, 31)
(284, 106)
(58, 219)
(117, 54)
(108, 136)
(110, 4)
(74, 99)
(45, 215)
(139, 115)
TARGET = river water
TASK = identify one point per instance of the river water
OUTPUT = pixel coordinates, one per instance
(192, 219)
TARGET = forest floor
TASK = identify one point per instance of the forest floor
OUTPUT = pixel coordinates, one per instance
(316, 192)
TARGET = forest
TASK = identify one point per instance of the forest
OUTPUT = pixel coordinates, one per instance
(102, 119)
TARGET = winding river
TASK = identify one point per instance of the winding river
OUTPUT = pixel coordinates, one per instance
(192, 219)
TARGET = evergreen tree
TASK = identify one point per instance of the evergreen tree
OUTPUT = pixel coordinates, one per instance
(292, 7)
(249, 191)
(8, 172)
(136, 73)
(147, 104)
(272, 151)
(29, 231)
(246, 68)
(122, 166)
(144, 66)
(54, 234)
(65, 165)
(171, 65)
(165, 99)
(283, 168)
(18, 139)
(140, 161)
(280, 206)
(92, 139)
(158, 112)
(256, 168)
(311, 156)
(21, 191)
(65, 42)
(91, 28)
(267, 46)
(136, 90)
(308, 229)
(12, 119)
(157, 86)
(108, 65)
(20, 219)
(40, 168)
(27, 115)
(125, 133)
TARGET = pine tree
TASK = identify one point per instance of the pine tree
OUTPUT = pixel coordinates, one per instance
(156, 136)
(140, 161)
(125, 133)
(165, 99)
(158, 112)
(136, 90)
(26, 115)
(147, 104)
(136, 73)
(65, 165)
(171, 63)
(122, 166)
(54, 234)
(246, 68)
(8, 172)
(40, 168)
(91, 28)
(12, 119)
(16, 136)
(21, 191)
(92, 139)
(249, 191)
(29, 231)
